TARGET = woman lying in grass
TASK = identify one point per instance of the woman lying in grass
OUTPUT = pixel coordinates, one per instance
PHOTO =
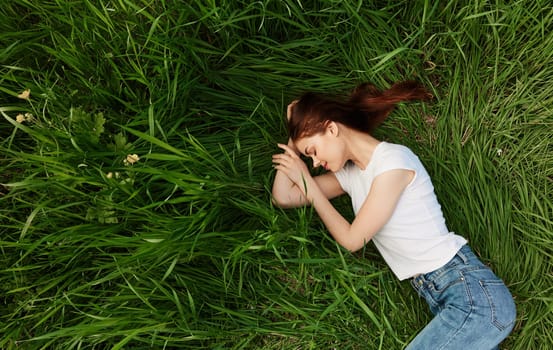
(395, 206)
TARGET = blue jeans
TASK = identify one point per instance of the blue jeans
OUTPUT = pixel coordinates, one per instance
(473, 308)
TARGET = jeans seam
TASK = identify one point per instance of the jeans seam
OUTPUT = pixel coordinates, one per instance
(469, 294)
(470, 303)
(494, 320)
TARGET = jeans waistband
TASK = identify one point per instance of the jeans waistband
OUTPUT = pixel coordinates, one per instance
(463, 256)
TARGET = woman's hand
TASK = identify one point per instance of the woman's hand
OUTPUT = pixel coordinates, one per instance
(291, 165)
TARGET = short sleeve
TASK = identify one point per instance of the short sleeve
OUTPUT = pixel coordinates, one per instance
(398, 157)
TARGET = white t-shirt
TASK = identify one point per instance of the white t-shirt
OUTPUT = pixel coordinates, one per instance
(416, 239)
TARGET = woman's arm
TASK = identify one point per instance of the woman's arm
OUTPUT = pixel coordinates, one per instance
(377, 209)
(287, 194)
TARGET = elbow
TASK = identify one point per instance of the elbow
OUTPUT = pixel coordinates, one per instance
(276, 202)
(279, 201)
(354, 246)
(285, 201)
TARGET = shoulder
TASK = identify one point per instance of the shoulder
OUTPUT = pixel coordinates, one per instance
(394, 149)
(393, 156)
(391, 152)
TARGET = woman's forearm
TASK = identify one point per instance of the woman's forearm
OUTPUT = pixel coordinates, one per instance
(285, 192)
(335, 223)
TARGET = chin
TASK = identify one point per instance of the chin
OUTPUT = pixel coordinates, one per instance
(332, 169)
(343, 165)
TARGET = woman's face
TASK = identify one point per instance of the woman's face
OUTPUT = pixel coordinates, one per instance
(326, 149)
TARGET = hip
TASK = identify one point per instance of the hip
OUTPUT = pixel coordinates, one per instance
(469, 286)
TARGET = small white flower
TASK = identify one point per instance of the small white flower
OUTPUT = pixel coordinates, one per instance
(20, 118)
(109, 175)
(499, 152)
(131, 159)
(25, 94)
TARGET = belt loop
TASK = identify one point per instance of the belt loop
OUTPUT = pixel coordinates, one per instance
(418, 280)
(461, 255)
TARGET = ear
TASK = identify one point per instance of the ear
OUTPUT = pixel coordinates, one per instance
(332, 128)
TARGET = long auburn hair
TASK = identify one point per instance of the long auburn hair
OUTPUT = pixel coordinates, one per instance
(366, 108)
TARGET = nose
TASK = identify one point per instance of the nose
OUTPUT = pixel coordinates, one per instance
(316, 162)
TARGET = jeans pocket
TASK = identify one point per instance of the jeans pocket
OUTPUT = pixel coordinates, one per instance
(502, 305)
(447, 279)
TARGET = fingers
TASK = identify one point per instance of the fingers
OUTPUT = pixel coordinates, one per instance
(282, 163)
(283, 146)
(287, 149)
(282, 159)
(281, 168)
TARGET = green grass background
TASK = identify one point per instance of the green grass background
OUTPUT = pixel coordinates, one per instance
(183, 249)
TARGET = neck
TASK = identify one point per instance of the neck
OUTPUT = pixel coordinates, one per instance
(360, 147)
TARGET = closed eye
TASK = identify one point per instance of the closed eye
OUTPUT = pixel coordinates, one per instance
(308, 152)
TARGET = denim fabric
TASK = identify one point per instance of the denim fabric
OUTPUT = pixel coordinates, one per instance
(473, 308)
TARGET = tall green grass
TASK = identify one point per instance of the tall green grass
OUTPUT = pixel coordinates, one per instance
(183, 248)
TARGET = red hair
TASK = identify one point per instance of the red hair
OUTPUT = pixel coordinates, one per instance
(366, 108)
